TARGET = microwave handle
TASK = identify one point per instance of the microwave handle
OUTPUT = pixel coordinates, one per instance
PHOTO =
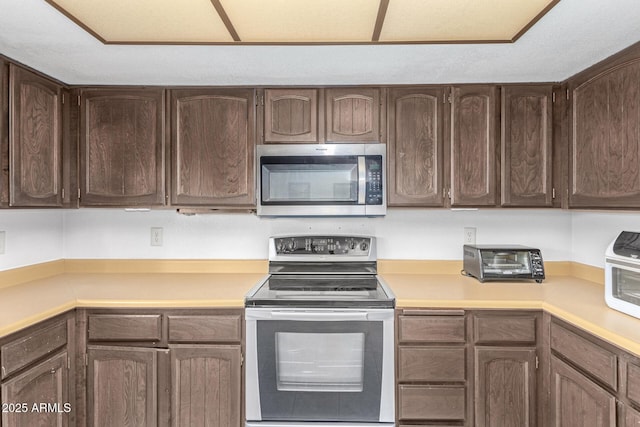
(362, 179)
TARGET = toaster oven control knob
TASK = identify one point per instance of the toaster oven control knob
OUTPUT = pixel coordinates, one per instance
(364, 246)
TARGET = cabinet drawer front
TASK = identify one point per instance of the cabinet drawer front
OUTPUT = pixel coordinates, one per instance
(431, 364)
(205, 328)
(492, 329)
(125, 327)
(431, 328)
(431, 403)
(23, 351)
(593, 359)
(633, 383)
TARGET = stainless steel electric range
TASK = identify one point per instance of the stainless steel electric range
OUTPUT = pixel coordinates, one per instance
(320, 336)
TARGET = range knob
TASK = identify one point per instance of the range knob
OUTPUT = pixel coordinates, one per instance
(364, 246)
(291, 245)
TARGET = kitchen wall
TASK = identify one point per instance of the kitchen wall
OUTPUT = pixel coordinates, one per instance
(34, 236)
(402, 234)
(31, 237)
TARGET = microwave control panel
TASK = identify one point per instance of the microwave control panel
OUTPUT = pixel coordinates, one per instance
(374, 192)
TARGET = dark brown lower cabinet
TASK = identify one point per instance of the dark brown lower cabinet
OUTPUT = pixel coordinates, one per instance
(505, 386)
(206, 385)
(38, 396)
(630, 417)
(576, 401)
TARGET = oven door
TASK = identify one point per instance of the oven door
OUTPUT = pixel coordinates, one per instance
(319, 365)
(622, 286)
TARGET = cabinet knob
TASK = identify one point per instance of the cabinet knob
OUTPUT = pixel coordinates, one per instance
(53, 371)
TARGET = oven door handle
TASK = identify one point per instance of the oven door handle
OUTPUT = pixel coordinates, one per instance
(323, 316)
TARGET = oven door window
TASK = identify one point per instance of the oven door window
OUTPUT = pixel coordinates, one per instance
(320, 371)
(309, 180)
(322, 362)
(626, 285)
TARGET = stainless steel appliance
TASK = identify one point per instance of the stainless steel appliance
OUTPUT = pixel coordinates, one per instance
(503, 262)
(326, 179)
(622, 273)
(320, 336)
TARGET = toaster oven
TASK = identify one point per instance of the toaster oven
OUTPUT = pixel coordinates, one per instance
(503, 262)
(622, 274)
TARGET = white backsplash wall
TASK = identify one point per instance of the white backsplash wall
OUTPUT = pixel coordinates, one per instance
(31, 237)
(592, 232)
(402, 234)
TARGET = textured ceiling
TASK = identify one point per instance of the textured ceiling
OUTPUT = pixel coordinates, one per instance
(571, 36)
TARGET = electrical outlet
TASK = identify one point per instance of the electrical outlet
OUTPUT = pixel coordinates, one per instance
(2, 237)
(469, 235)
(156, 236)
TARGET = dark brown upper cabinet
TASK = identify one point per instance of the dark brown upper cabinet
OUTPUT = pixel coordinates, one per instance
(122, 147)
(474, 137)
(415, 146)
(4, 133)
(35, 140)
(291, 115)
(526, 146)
(212, 148)
(605, 136)
(353, 115)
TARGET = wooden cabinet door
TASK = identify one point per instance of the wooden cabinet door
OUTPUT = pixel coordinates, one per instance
(4, 133)
(122, 386)
(206, 385)
(605, 139)
(291, 115)
(473, 146)
(576, 401)
(526, 166)
(35, 143)
(629, 417)
(213, 147)
(353, 115)
(415, 147)
(46, 386)
(505, 386)
(122, 147)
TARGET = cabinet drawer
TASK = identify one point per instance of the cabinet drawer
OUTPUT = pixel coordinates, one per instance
(593, 359)
(633, 383)
(431, 403)
(23, 351)
(125, 327)
(495, 329)
(431, 364)
(431, 329)
(205, 328)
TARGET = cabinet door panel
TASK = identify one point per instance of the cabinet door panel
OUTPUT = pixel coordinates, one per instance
(433, 364)
(415, 147)
(291, 115)
(631, 417)
(46, 385)
(353, 115)
(4, 133)
(213, 147)
(576, 401)
(526, 146)
(206, 385)
(605, 139)
(35, 140)
(473, 146)
(122, 386)
(421, 402)
(505, 386)
(122, 147)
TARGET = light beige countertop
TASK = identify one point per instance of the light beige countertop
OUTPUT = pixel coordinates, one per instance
(575, 300)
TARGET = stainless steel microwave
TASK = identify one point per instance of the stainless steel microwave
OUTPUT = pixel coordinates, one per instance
(321, 180)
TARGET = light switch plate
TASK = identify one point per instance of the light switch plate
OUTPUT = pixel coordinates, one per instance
(3, 234)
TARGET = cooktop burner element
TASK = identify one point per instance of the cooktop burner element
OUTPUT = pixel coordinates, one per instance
(322, 271)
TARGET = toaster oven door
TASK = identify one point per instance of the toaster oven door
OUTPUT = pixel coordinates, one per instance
(622, 287)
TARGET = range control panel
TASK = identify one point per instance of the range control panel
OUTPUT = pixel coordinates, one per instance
(323, 245)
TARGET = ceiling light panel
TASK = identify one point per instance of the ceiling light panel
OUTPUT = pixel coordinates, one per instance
(460, 20)
(302, 21)
(148, 21)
